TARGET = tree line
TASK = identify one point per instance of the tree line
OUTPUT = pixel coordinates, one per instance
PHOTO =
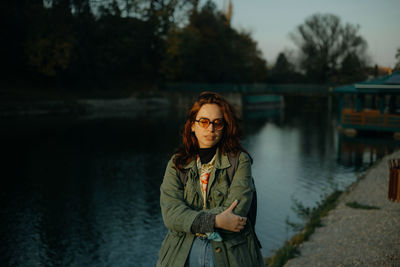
(98, 42)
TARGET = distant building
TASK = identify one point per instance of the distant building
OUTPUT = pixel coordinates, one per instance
(227, 10)
(378, 71)
(372, 105)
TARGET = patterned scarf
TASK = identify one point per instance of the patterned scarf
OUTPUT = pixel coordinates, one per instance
(205, 172)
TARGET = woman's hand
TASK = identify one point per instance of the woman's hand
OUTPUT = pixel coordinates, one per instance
(227, 220)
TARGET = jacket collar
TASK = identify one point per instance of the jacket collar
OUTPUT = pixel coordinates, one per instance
(190, 165)
(221, 161)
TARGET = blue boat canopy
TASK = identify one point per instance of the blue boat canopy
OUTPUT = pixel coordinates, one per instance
(385, 84)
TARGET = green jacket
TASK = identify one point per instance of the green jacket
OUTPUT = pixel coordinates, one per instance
(180, 205)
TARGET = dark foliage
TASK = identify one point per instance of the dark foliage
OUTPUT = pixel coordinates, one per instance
(209, 50)
(331, 51)
(283, 72)
(74, 42)
(397, 66)
(96, 44)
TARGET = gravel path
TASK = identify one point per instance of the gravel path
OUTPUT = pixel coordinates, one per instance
(358, 237)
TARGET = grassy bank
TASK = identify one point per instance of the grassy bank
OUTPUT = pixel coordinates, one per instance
(356, 205)
(313, 220)
(290, 249)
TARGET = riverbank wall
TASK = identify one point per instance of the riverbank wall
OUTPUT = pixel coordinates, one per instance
(133, 106)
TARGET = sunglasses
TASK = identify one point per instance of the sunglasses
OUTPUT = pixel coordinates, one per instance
(218, 123)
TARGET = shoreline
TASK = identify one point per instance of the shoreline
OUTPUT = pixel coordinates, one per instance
(357, 236)
(134, 105)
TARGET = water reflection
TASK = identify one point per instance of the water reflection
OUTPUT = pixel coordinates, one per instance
(292, 160)
(362, 151)
(88, 196)
(86, 193)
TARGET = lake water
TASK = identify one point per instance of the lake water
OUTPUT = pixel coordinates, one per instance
(86, 192)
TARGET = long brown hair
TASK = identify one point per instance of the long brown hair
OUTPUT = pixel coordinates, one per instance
(232, 133)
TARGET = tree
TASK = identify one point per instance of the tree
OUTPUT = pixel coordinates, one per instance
(209, 50)
(281, 71)
(284, 71)
(99, 42)
(16, 21)
(326, 46)
(397, 66)
(351, 70)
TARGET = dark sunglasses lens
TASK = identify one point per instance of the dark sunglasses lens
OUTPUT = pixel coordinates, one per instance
(219, 124)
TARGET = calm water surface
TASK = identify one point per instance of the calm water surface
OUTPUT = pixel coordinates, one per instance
(86, 192)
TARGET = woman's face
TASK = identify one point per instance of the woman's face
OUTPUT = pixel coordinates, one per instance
(208, 137)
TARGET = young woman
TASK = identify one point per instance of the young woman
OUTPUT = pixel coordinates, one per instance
(203, 208)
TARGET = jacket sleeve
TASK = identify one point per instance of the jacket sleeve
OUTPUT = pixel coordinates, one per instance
(204, 223)
(242, 188)
(176, 214)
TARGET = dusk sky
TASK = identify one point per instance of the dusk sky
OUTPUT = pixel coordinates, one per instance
(271, 22)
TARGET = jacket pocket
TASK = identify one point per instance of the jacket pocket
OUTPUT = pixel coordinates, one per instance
(219, 194)
(218, 197)
(190, 196)
(239, 252)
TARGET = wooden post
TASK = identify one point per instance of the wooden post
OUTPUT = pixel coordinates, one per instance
(381, 103)
(340, 109)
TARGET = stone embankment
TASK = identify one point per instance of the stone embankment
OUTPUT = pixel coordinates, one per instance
(133, 106)
(91, 108)
(358, 237)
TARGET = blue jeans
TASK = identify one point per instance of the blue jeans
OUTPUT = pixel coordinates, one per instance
(201, 254)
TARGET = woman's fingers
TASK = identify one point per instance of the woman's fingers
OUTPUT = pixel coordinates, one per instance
(233, 205)
(240, 223)
(239, 228)
(229, 221)
(242, 219)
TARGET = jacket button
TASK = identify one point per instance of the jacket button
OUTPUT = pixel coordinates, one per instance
(218, 250)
